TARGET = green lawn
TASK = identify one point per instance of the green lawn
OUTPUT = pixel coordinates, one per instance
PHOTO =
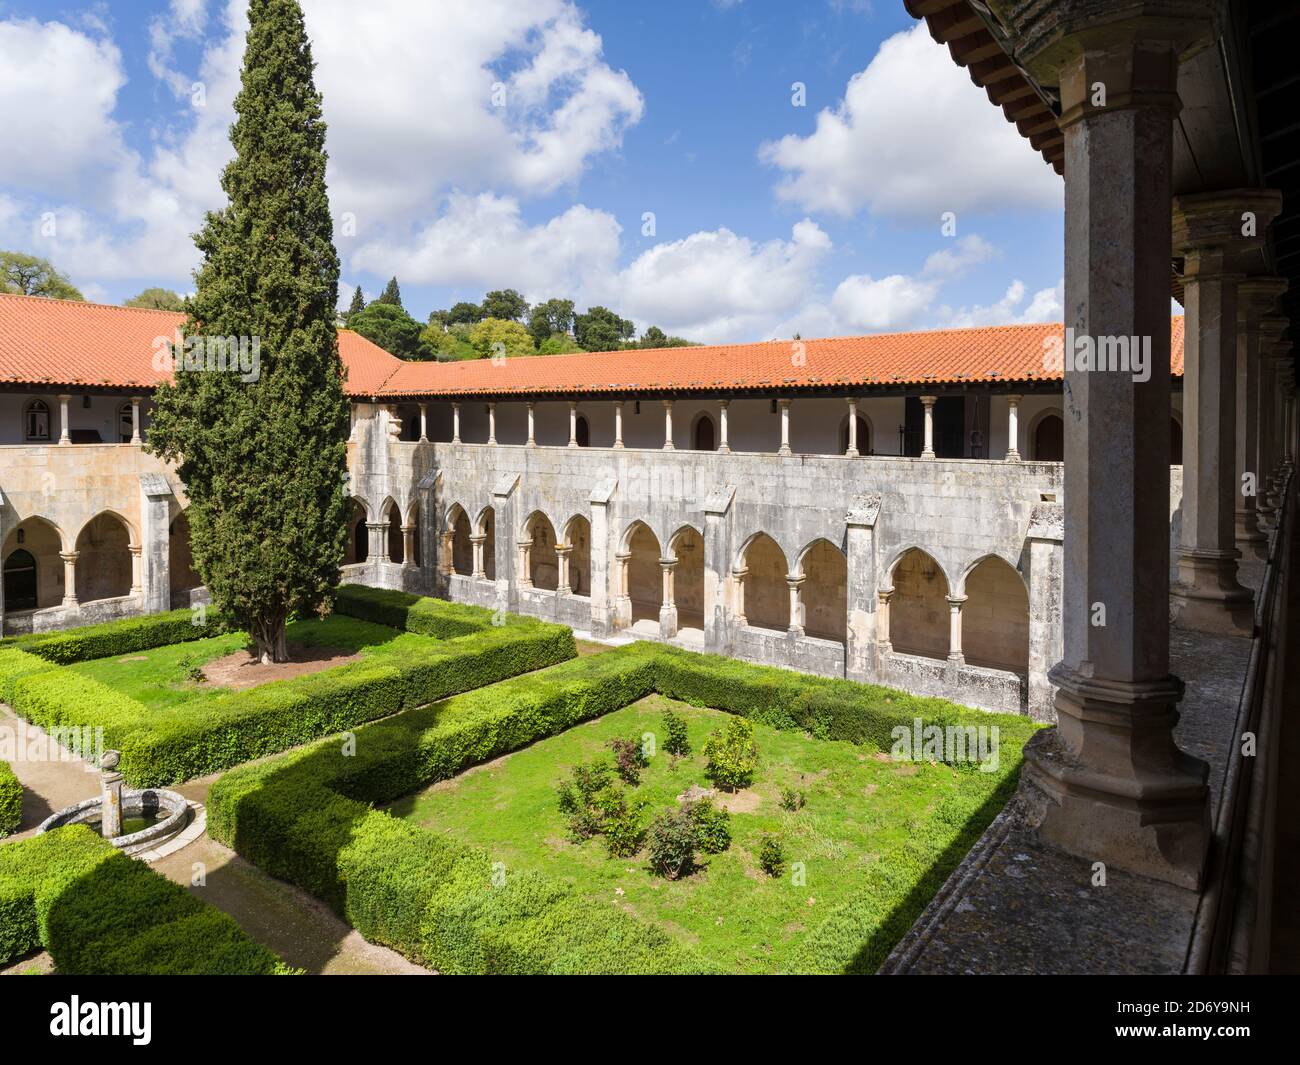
(867, 824)
(161, 677)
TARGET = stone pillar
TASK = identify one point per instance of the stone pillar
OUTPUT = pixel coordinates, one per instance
(602, 619)
(476, 542)
(784, 449)
(796, 603)
(532, 437)
(135, 419)
(455, 423)
(623, 601)
(573, 423)
(1013, 428)
(1046, 562)
(64, 435)
(377, 540)
(525, 563)
(955, 655)
(110, 795)
(1207, 233)
(1108, 783)
(562, 553)
(852, 449)
(668, 607)
(156, 499)
(668, 425)
(69, 577)
(408, 545)
(137, 577)
(927, 402)
(492, 423)
(618, 423)
(424, 422)
(884, 646)
(861, 644)
(738, 576)
(718, 528)
(446, 560)
(723, 447)
(1255, 297)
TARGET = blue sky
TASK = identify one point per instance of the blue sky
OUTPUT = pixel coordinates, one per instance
(495, 144)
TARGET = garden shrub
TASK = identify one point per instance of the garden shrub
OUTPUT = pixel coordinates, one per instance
(413, 613)
(673, 841)
(675, 739)
(792, 800)
(11, 800)
(771, 855)
(97, 911)
(712, 826)
(126, 636)
(629, 759)
(732, 754)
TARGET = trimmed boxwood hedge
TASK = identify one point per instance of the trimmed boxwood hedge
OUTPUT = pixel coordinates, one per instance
(413, 613)
(307, 816)
(120, 637)
(191, 739)
(11, 800)
(99, 912)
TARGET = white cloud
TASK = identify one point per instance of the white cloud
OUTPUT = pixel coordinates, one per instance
(912, 138)
(1046, 306)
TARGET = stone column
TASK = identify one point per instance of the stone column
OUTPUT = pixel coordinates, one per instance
(64, 436)
(562, 553)
(1108, 783)
(532, 436)
(717, 569)
(622, 601)
(852, 449)
(668, 608)
(424, 422)
(1207, 233)
(1046, 561)
(478, 566)
(738, 576)
(955, 655)
(573, 423)
(378, 541)
(156, 499)
(723, 447)
(1255, 297)
(408, 545)
(446, 561)
(69, 577)
(861, 647)
(883, 644)
(796, 603)
(455, 423)
(668, 425)
(1013, 428)
(492, 423)
(137, 569)
(618, 423)
(135, 419)
(927, 402)
(525, 563)
(784, 449)
(601, 574)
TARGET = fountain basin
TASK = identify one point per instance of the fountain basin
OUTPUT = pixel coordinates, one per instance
(155, 813)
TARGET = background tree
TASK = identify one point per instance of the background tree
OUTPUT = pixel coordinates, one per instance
(440, 318)
(513, 338)
(506, 304)
(358, 304)
(559, 344)
(27, 275)
(465, 313)
(600, 329)
(157, 299)
(392, 329)
(549, 318)
(654, 337)
(451, 344)
(392, 294)
(264, 461)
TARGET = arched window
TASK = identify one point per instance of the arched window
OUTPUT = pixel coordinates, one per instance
(20, 581)
(582, 432)
(125, 424)
(1049, 439)
(704, 439)
(36, 420)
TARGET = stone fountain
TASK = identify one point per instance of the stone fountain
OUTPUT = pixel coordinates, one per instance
(132, 820)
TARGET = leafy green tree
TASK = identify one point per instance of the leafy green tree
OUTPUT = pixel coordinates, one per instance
(654, 337)
(600, 329)
(392, 329)
(559, 344)
(358, 304)
(442, 318)
(513, 338)
(464, 313)
(263, 454)
(506, 304)
(157, 299)
(27, 275)
(451, 344)
(392, 294)
(547, 319)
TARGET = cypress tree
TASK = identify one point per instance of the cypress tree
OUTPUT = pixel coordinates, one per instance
(358, 304)
(263, 454)
(391, 294)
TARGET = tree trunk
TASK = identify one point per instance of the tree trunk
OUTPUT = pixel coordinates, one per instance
(271, 641)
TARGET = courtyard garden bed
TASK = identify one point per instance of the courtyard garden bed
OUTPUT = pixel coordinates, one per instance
(493, 884)
(151, 701)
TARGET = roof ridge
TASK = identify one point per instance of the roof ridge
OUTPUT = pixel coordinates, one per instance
(88, 303)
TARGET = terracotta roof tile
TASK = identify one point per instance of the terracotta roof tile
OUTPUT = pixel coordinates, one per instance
(72, 343)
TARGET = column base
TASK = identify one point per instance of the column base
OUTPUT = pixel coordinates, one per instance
(1208, 597)
(927, 454)
(724, 450)
(1109, 784)
(1013, 455)
(667, 621)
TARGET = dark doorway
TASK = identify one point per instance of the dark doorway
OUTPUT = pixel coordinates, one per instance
(1049, 439)
(582, 432)
(704, 439)
(949, 427)
(20, 581)
(1175, 443)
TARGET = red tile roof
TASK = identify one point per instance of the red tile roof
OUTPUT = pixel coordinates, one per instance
(70, 343)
